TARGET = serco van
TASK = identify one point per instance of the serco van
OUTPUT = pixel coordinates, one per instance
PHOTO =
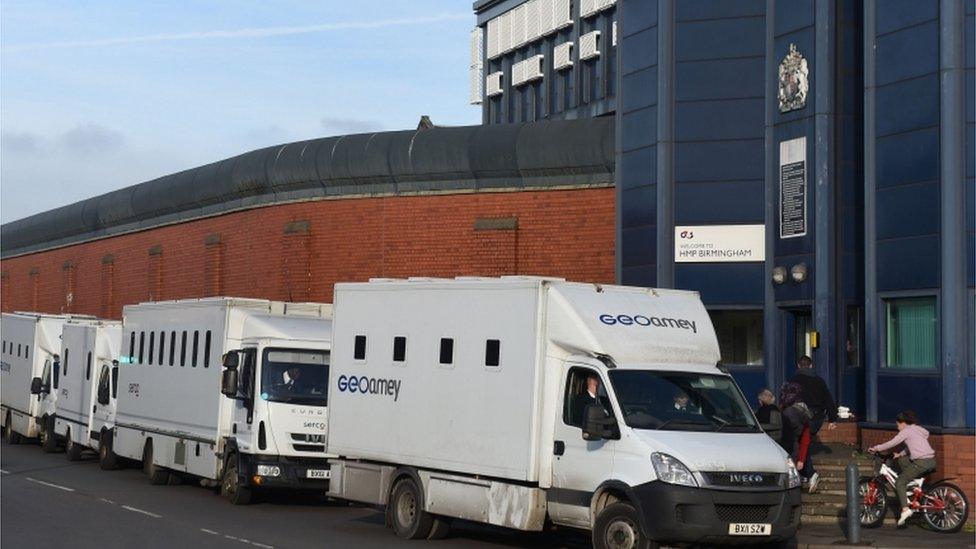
(231, 391)
(520, 401)
(30, 375)
(85, 408)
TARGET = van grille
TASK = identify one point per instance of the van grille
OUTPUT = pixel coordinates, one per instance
(309, 447)
(742, 513)
(744, 480)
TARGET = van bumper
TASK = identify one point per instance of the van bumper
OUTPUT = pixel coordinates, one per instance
(673, 513)
(293, 472)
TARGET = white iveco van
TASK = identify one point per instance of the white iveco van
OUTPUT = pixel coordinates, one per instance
(89, 372)
(510, 401)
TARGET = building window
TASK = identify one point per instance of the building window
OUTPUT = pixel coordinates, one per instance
(911, 334)
(740, 337)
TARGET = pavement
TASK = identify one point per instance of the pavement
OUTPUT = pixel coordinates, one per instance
(47, 501)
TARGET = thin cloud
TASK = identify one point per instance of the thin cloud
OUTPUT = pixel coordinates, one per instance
(334, 125)
(91, 138)
(264, 32)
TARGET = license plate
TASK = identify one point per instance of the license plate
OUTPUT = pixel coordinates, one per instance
(317, 473)
(746, 529)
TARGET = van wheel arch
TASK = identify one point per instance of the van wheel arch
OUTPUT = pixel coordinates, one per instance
(610, 492)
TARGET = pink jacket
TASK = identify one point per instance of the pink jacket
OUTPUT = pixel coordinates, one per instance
(915, 438)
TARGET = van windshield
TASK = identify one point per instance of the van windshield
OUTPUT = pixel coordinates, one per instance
(681, 401)
(296, 376)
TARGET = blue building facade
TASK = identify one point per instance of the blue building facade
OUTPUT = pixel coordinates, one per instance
(824, 150)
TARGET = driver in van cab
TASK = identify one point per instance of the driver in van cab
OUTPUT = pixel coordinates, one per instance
(683, 405)
(291, 377)
(590, 395)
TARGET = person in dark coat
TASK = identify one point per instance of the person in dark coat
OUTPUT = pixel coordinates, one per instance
(796, 432)
(769, 415)
(590, 395)
(816, 395)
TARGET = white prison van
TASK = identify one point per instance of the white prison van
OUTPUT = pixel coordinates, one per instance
(30, 375)
(258, 422)
(509, 401)
(85, 407)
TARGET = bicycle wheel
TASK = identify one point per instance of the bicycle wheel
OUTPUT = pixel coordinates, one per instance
(873, 499)
(945, 507)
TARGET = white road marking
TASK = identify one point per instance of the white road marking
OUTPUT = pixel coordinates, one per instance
(231, 537)
(110, 502)
(209, 531)
(51, 484)
(262, 545)
(4, 472)
(137, 510)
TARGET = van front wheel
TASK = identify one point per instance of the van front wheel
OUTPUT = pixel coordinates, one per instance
(618, 527)
(71, 449)
(49, 441)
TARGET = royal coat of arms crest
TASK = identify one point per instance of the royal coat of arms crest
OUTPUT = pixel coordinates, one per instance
(794, 82)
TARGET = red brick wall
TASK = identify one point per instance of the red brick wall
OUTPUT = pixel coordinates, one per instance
(298, 251)
(953, 453)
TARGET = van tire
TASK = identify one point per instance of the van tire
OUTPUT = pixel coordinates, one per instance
(230, 488)
(49, 441)
(9, 435)
(157, 475)
(618, 527)
(107, 459)
(71, 450)
(405, 511)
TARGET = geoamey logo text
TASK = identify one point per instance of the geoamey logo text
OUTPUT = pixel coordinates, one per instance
(370, 385)
(641, 320)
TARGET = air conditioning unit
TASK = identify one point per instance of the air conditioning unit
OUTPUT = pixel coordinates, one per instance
(505, 32)
(562, 56)
(527, 70)
(518, 26)
(476, 81)
(592, 7)
(533, 30)
(546, 25)
(476, 46)
(562, 15)
(493, 36)
(589, 45)
(493, 84)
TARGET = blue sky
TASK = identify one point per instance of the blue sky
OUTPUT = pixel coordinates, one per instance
(98, 95)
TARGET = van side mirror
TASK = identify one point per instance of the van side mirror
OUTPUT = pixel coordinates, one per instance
(37, 386)
(598, 424)
(231, 360)
(228, 382)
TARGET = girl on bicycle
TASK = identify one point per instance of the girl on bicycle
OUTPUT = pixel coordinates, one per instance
(919, 460)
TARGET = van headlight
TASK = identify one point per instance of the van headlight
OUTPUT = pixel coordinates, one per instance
(792, 475)
(670, 469)
(268, 470)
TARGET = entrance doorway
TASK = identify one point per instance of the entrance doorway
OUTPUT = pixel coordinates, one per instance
(797, 328)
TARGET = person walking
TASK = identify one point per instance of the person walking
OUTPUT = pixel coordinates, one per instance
(914, 461)
(769, 415)
(816, 395)
(796, 432)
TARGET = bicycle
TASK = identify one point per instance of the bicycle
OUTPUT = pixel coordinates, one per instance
(943, 504)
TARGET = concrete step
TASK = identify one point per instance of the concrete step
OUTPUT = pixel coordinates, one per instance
(823, 496)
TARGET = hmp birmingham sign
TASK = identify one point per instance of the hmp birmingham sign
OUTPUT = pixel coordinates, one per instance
(719, 243)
